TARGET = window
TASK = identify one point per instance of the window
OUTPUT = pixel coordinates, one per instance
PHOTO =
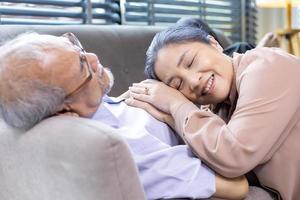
(249, 22)
(236, 18)
(59, 12)
(296, 17)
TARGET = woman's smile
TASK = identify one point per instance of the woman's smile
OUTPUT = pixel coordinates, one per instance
(209, 86)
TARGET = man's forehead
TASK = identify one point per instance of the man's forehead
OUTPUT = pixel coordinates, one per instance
(44, 39)
(55, 39)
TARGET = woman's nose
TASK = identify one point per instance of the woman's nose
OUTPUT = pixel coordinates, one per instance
(194, 81)
(93, 61)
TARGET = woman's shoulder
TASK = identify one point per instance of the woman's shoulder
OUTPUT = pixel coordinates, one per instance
(265, 59)
(269, 54)
(267, 67)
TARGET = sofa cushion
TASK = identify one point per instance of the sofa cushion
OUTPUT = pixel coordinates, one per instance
(66, 158)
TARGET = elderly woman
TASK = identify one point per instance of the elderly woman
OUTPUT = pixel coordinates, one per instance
(253, 121)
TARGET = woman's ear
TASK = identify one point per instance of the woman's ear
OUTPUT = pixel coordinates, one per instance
(214, 43)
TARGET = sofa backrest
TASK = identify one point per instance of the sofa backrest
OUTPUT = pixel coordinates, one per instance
(121, 48)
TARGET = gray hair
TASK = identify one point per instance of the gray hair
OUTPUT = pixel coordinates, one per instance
(24, 99)
(173, 35)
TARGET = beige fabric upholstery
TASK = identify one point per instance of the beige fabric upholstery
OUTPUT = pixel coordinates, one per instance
(66, 158)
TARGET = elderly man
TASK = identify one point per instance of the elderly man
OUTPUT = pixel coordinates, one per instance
(44, 75)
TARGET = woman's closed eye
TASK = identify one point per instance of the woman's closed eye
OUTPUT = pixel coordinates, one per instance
(191, 62)
(176, 83)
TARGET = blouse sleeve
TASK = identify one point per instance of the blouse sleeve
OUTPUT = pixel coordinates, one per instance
(267, 101)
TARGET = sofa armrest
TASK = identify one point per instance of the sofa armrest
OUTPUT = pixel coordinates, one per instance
(66, 158)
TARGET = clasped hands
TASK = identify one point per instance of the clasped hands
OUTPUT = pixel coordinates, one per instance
(158, 99)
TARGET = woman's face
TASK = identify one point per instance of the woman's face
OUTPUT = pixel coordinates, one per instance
(199, 71)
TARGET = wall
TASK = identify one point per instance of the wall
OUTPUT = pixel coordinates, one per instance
(269, 20)
(272, 19)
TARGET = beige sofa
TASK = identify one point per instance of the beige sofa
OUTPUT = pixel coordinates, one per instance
(66, 158)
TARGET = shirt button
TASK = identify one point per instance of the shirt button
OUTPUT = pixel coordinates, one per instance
(186, 120)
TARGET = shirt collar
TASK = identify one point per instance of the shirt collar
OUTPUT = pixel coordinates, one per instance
(112, 100)
(231, 100)
(230, 103)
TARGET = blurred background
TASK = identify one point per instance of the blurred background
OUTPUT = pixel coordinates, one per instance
(240, 20)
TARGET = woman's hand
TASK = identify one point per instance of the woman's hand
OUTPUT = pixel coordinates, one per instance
(158, 94)
(125, 95)
(71, 114)
(159, 115)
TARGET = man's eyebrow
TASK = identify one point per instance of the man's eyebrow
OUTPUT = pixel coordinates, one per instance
(81, 62)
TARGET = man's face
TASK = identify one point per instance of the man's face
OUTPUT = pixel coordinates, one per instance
(80, 73)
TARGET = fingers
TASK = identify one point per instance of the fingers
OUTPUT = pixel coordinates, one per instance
(147, 107)
(137, 103)
(125, 95)
(147, 83)
(141, 97)
(140, 91)
(150, 81)
(73, 114)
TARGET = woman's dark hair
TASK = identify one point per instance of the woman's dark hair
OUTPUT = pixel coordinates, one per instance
(197, 23)
(174, 35)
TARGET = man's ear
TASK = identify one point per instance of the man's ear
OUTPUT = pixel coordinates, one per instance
(66, 110)
(214, 43)
(65, 107)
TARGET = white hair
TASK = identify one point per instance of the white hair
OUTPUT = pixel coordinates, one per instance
(24, 99)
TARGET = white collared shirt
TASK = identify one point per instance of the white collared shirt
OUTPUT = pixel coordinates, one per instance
(167, 168)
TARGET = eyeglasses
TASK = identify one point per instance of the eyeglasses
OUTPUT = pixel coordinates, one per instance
(83, 60)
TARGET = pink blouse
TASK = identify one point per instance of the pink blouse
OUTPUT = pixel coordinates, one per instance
(258, 128)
